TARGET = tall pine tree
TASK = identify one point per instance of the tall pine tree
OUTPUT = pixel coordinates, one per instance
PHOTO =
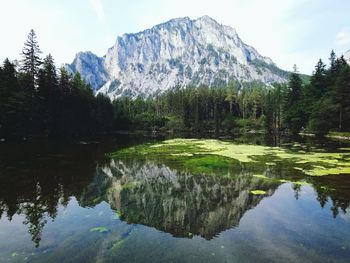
(294, 115)
(31, 60)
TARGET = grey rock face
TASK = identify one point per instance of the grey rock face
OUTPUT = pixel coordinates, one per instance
(347, 56)
(180, 52)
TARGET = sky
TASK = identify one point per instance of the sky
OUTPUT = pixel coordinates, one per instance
(288, 31)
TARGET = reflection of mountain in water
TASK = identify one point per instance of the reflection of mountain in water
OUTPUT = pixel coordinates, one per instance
(36, 185)
(179, 203)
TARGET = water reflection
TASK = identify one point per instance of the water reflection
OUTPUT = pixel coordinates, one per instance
(180, 203)
(144, 192)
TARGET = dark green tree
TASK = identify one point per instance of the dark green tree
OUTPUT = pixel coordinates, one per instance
(48, 97)
(31, 60)
(293, 112)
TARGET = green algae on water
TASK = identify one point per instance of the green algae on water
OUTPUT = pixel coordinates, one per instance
(258, 192)
(261, 176)
(190, 153)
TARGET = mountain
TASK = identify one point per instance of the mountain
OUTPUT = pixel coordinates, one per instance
(347, 56)
(180, 52)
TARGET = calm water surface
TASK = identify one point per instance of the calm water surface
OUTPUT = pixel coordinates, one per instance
(69, 203)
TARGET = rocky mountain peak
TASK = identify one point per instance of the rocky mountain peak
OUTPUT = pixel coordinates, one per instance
(181, 52)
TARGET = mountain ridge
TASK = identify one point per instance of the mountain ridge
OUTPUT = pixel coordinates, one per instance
(347, 56)
(180, 52)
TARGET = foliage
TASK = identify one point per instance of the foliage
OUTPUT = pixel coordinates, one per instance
(38, 100)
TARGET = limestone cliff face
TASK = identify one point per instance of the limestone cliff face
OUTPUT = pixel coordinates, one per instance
(347, 56)
(180, 52)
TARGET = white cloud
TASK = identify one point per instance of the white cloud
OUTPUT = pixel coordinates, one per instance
(98, 8)
(343, 37)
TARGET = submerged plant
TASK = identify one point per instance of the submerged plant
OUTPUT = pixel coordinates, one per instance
(100, 229)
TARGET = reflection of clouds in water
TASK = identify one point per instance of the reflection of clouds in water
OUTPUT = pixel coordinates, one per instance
(284, 230)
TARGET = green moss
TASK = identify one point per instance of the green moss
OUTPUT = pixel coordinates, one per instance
(258, 192)
(100, 229)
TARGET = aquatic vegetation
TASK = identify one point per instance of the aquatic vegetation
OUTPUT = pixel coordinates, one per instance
(117, 215)
(344, 149)
(260, 176)
(118, 244)
(209, 164)
(263, 177)
(97, 200)
(100, 229)
(295, 182)
(258, 192)
(14, 254)
(194, 154)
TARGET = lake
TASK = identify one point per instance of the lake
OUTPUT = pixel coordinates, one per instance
(138, 199)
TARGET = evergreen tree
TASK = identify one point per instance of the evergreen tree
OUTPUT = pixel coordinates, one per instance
(318, 82)
(269, 119)
(13, 115)
(294, 115)
(48, 96)
(342, 95)
(332, 60)
(31, 59)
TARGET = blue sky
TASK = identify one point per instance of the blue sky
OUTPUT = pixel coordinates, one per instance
(288, 31)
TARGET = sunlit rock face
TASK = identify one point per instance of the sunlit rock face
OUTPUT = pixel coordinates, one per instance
(180, 52)
(347, 56)
(179, 203)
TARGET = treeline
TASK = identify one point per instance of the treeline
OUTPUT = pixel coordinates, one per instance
(319, 105)
(38, 100)
(199, 109)
(323, 104)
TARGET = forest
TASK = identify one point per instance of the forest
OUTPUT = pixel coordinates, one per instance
(39, 100)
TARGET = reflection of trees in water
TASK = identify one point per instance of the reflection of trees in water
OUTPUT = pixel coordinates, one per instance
(36, 187)
(184, 204)
(146, 193)
(333, 189)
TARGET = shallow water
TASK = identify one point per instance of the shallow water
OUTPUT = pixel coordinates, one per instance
(70, 203)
